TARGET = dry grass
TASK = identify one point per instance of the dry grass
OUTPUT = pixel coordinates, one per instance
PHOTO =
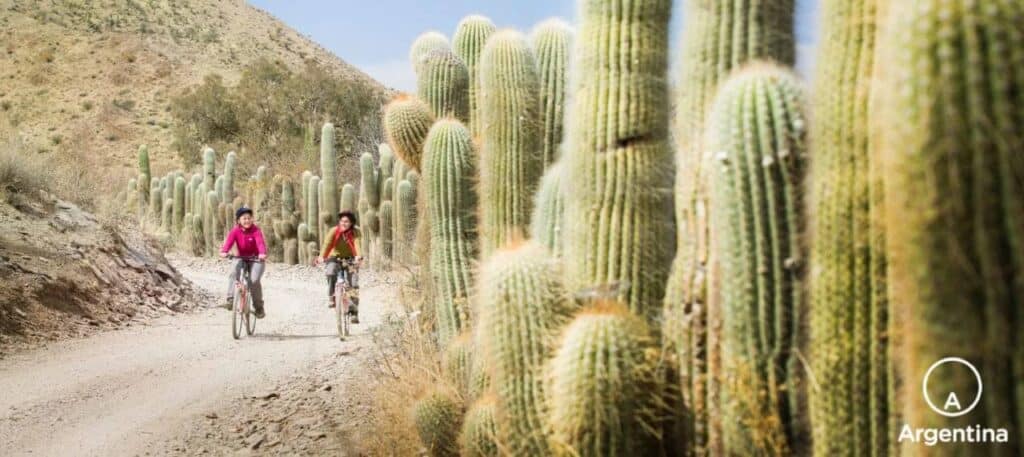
(409, 366)
(22, 172)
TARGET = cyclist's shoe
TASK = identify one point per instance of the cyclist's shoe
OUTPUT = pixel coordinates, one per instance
(355, 319)
(228, 302)
(259, 312)
(330, 303)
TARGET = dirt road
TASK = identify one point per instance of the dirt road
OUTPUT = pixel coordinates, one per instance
(182, 385)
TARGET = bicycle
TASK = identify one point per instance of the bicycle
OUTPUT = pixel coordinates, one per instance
(242, 310)
(341, 299)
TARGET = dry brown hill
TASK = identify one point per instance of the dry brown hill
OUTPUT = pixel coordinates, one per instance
(87, 81)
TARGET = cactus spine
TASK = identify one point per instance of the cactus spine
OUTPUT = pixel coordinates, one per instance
(449, 168)
(480, 429)
(954, 207)
(329, 177)
(422, 45)
(719, 36)
(511, 164)
(407, 121)
(468, 43)
(438, 418)
(603, 387)
(457, 363)
(348, 198)
(756, 127)
(551, 41)
(522, 307)
(443, 84)
(549, 210)
(622, 222)
(847, 286)
(405, 221)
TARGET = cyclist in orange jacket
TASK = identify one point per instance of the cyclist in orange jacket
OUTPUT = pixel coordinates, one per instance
(342, 244)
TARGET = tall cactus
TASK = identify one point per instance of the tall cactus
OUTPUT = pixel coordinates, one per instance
(480, 429)
(449, 169)
(209, 168)
(145, 175)
(423, 44)
(286, 227)
(438, 418)
(443, 84)
(306, 176)
(154, 198)
(210, 219)
(952, 99)
(718, 37)
(387, 228)
(167, 215)
(387, 188)
(522, 306)
(603, 392)
(511, 164)
(457, 363)
(468, 43)
(329, 177)
(178, 214)
(228, 191)
(405, 221)
(348, 198)
(552, 40)
(407, 121)
(313, 209)
(618, 158)
(547, 223)
(368, 187)
(848, 305)
(757, 128)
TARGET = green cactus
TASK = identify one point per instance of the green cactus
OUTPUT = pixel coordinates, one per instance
(313, 209)
(132, 192)
(620, 235)
(348, 197)
(405, 221)
(719, 36)
(407, 121)
(438, 418)
(261, 190)
(209, 168)
(304, 255)
(949, 107)
(210, 222)
(385, 168)
(757, 211)
(167, 215)
(144, 175)
(154, 198)
(511, 164)
(386, 229)
(423, 44)
(306, 176)
(468, 43)
(178, 202)
(549, 210)
(449, 169)
(372, 223)
(364, 241)
(443, 84)
(480, 429)
(522, 305)
(229, 177)
(848, 304)
(195, 239)
(287, 225)
(368, 187)
(552, 41)
(329, 177)
(603, 389)
(457, 363)
(386, 190)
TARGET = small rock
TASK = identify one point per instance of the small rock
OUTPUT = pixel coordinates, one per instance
(211, 416)
(266, 396)
(326, 388)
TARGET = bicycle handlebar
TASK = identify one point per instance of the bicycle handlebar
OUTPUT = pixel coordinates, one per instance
(247, 259)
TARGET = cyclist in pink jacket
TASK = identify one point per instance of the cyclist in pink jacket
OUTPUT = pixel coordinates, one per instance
(247, 239)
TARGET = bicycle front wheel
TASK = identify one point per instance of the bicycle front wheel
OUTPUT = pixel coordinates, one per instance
(250, 319)
(339, 310)
(237, 314)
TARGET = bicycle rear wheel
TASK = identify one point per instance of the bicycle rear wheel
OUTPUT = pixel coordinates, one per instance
(250, 319)
(340, 310)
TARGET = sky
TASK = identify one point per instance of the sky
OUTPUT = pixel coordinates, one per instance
(375, 35)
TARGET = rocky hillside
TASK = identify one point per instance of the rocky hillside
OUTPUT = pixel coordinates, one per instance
(87, 81)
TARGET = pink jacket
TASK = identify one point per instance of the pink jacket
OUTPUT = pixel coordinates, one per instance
(249, 241)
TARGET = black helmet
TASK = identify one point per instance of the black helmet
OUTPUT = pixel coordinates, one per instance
(242, 211)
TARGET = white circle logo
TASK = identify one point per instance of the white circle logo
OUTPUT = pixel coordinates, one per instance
(952, 398)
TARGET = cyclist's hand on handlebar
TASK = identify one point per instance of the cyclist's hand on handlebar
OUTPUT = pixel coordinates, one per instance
(262, 257)
(223, 255)
(318, 260)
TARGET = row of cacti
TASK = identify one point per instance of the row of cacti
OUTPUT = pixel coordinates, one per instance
(760, 297)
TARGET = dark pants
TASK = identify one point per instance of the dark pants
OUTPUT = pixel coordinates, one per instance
(351, 276)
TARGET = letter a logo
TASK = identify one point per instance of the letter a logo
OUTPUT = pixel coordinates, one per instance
(952, 401)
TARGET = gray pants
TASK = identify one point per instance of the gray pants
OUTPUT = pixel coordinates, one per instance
(255, 273)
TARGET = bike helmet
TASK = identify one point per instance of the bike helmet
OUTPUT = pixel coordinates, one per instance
(242, 211)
